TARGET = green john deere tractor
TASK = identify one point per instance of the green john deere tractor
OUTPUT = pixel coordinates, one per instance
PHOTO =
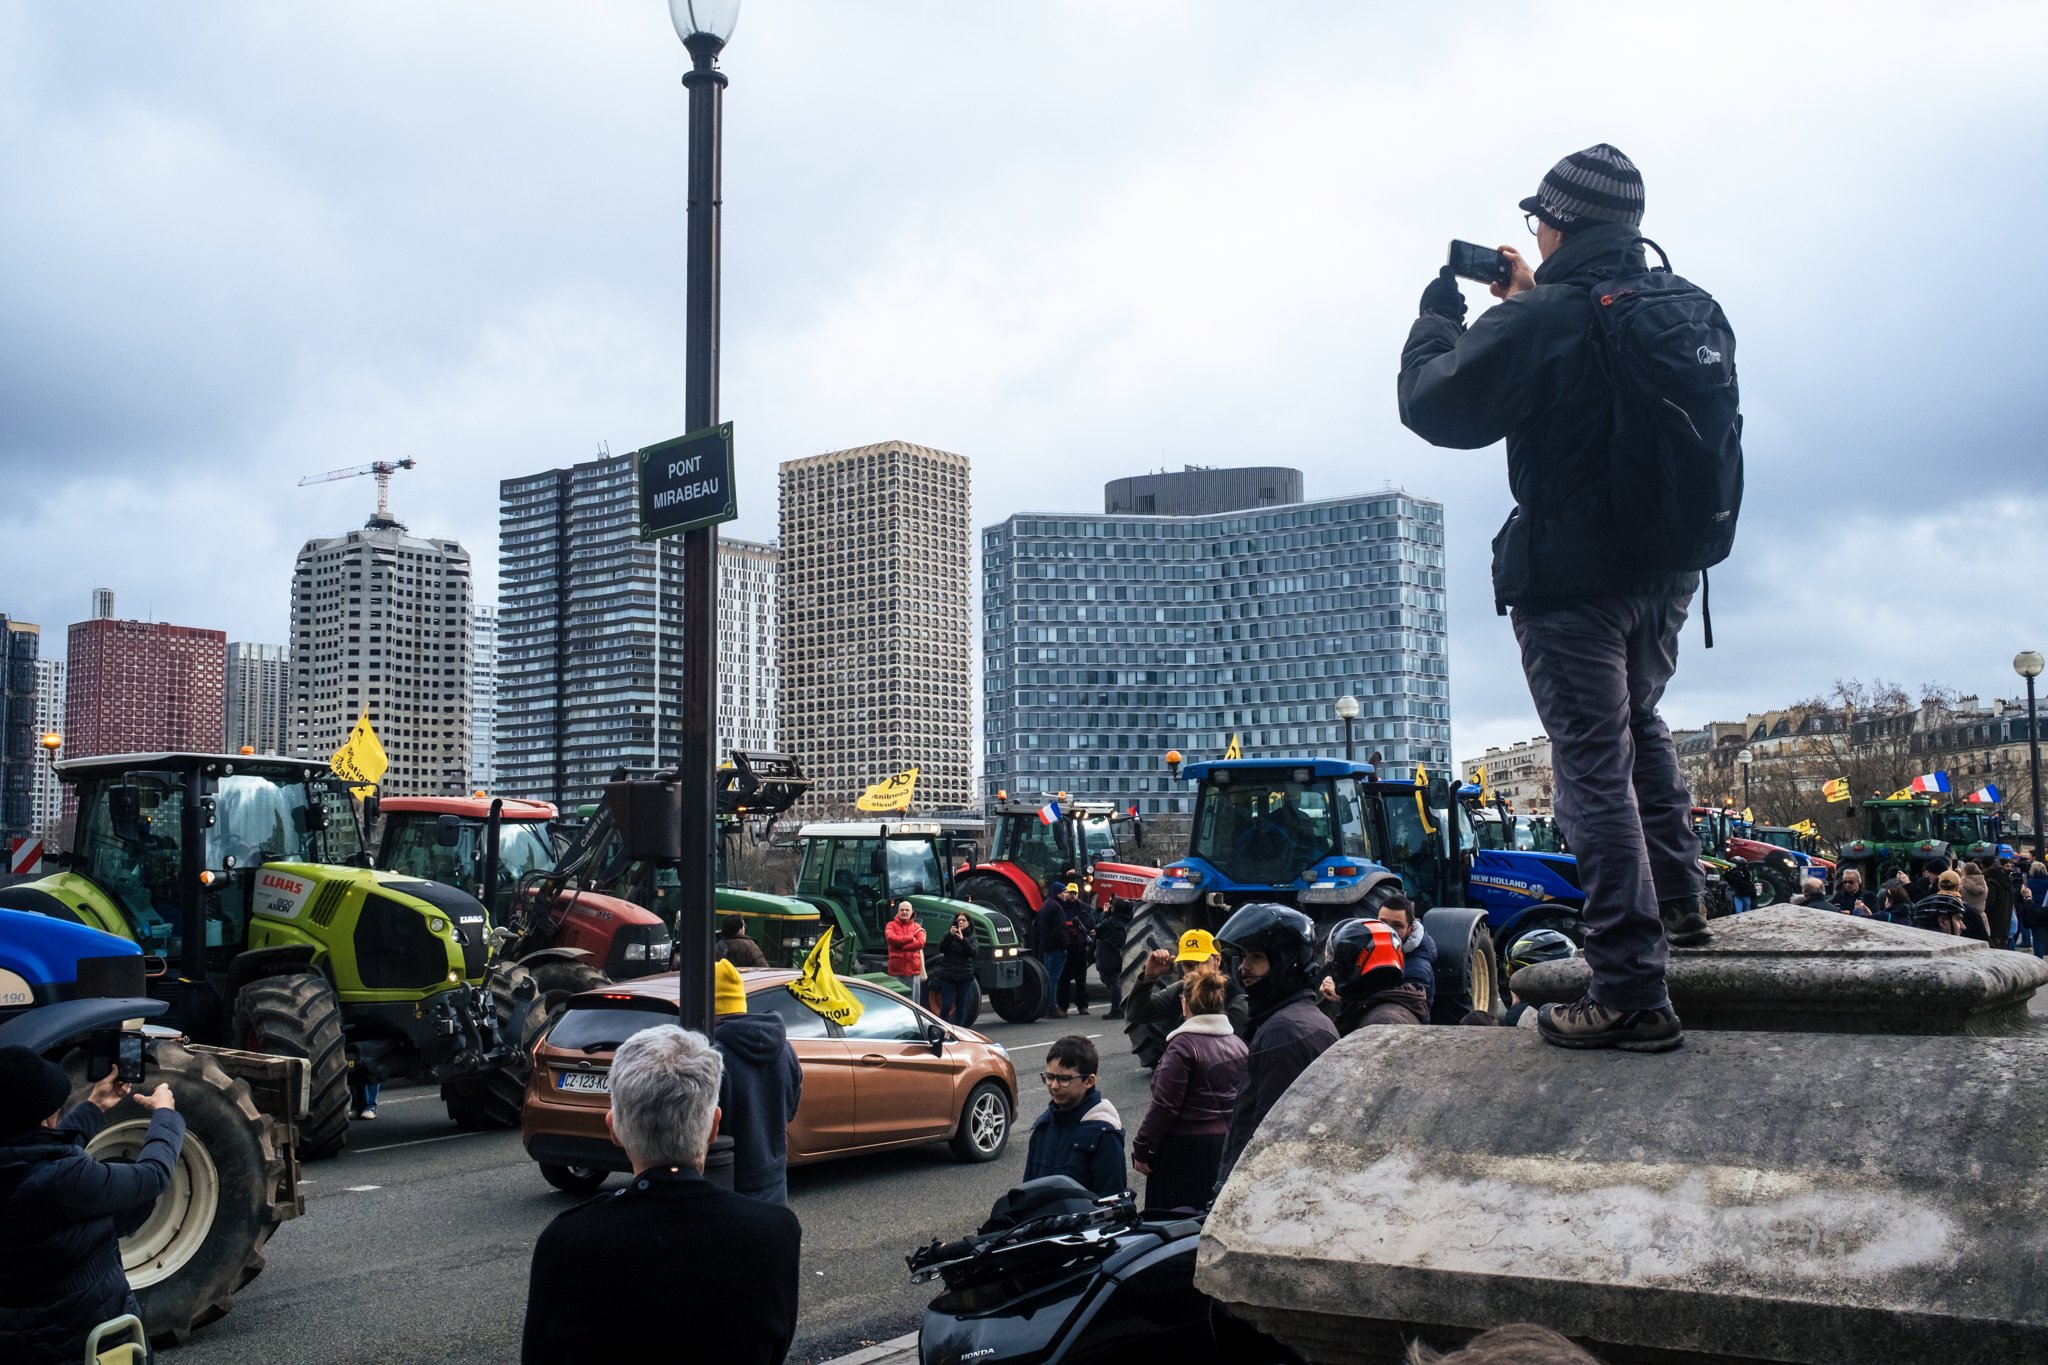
(245, 882)
(856, 872)
(1897, 836)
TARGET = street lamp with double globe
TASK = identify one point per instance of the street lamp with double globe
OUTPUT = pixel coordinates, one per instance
(1347, 711)
(2027, 663)
(704, 26)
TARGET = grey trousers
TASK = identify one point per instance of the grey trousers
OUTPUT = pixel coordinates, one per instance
(1596, 673)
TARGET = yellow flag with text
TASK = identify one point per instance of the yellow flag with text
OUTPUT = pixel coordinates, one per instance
(360, 759)
(1805, 827)
(1902, 794)
(1485, 791)
(819, 987)
(1837, 790)
(1231, 750)
(891, 793)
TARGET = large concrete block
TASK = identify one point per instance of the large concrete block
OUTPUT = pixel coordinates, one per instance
(1753, 1196)
(1789, 968)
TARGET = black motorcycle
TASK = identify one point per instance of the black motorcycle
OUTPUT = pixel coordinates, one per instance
(1058, 1275)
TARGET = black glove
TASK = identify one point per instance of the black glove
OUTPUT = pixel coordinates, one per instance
(1444, 298)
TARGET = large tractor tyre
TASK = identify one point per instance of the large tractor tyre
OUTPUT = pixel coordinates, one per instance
(493, 1099)
(1467, 972)
(1152, 926)
(1029, 999)
(1773, 886)
(993, 891)
(203, 1240)
(298, 1015)
(559, 979)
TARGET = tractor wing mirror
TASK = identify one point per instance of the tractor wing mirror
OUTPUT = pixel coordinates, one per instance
(371, 805)
(878, 862)
(124, 813)
(447, 830)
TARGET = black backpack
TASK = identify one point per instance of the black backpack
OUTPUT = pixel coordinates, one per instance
(1676, 471)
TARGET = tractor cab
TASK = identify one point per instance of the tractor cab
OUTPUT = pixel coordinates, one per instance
(1897, 835)
(1303, 828)
(447, 839)
(1972, 833)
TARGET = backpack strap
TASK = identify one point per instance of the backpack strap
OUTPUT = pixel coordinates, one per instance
(1707, 607)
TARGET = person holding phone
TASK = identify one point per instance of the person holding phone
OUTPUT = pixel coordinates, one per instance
(62, 1211)
(953, 975)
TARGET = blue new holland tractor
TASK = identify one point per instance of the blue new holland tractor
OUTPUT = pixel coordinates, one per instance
(1521, 886)
(79, 997)
(1334, 839)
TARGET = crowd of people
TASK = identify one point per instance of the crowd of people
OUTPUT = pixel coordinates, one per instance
(2000, 901)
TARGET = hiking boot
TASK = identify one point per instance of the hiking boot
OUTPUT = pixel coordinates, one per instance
(1056, 1014)
(1583, 1023)
(1080, 1009)
(1685, 922)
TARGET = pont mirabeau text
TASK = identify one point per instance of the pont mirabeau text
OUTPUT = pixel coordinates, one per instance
(689, 492)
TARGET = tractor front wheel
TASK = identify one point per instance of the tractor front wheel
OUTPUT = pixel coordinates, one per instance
(993, 891)
(560, 979)
(1029, 999)
(1467, 972)
(298, 1015)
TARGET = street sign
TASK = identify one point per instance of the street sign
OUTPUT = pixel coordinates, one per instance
(24, 857)
(687, 483)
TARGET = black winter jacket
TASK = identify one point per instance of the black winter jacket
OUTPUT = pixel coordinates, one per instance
(1085, 1142)
(955, 958)
(758, 1094)
(60, 1263)
(1285, 1039)
(688, 1271)
(1527, 371)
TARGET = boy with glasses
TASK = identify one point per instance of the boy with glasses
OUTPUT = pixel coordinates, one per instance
(1080, 1133)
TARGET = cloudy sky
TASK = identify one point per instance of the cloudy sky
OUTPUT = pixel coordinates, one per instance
(245, 242)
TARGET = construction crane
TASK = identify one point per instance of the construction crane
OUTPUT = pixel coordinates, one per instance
(381, 469)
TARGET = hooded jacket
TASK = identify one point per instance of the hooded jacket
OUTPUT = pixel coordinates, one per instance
(1528, 371)
(1195, 1085)
(1418, 957)
(60, 1263)
(1085, 1142)
(758, 1095)
(1288, 1034)
(1400, 1004)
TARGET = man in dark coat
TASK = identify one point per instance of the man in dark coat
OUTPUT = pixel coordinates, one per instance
(759, 1090)
(1598, 632)
(1418, 949)
(1111, 928)
(62, 1212)
(735, 947)
(678, 1254)
(1053, 940)
(1289, 1030)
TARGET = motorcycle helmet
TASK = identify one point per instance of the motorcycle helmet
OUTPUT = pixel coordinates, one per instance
(1284, 935)
(1358, 948)
(1544, 945)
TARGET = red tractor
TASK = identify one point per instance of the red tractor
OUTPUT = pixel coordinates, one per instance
(502, 850)
(1035, 841)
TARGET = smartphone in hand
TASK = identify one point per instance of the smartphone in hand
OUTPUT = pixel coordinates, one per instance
(1482, 264)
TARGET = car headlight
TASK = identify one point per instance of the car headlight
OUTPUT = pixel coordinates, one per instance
(1001, 1049)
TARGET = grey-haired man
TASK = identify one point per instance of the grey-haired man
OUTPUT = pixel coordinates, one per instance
(728, 1263)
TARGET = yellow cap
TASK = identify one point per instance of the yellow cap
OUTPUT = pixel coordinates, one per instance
(728, 992)
(1074, 887)
(1197, 945)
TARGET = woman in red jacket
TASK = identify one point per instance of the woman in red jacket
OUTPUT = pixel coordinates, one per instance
(1179, 1147)
(905, 937)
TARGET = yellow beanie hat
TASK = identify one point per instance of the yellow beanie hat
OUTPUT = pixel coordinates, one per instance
(728, 994)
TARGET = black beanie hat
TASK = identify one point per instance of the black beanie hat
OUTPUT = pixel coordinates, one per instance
(1598, 185)
(31, 1089)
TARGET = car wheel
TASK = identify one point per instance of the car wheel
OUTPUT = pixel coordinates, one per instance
(574, 1179)
(984, 1124)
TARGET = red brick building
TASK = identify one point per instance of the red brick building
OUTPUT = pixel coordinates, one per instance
(144, 687)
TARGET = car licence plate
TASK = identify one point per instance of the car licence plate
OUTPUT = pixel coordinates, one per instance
(600, 1081)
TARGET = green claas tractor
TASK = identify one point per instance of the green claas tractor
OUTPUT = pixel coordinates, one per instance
(244, 881)
(855, 873)
(1896, 836)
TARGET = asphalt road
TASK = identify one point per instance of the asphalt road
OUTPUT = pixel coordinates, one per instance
(416, 1240)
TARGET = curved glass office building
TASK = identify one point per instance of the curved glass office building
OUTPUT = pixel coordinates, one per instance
(1108, 640)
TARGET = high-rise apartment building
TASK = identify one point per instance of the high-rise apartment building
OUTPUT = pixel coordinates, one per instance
(874, 621)
(590, 645)
(483, 698)
(47, 806)
(142, 686)
(259, 698)
(380, 626)
(20, 644)
(1110, 639)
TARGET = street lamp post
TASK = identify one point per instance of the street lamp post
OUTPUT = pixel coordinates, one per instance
(1347, 711)
(2027, 663)
(1744, 758)
(704, 26)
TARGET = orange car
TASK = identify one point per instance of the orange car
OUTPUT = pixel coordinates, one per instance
(898, 1078)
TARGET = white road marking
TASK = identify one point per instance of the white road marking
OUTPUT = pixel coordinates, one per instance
(415, 1142)
(361, 1189)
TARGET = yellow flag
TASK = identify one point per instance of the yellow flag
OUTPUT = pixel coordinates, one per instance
(1902, 794)
(1422, 801)
(1805, 827)
(1485, 791)
(1837, 790)
(1747, 818)
(891, 793)
(360, 759)
(1231, 750)
(819, 988)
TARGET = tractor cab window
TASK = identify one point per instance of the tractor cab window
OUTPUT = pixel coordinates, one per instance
(417, 851)
(1261, 830)
(913, 868)
(1352, 840)
(128, 836)
(1032, 845)
(1959, 827)
(1901, 824)
(1411, 850)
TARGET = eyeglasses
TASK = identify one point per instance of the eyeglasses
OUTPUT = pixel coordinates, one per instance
(1533, 221)
(1059, 1077)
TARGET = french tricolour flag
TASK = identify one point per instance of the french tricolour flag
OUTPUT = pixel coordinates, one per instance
(1049, 813)
(1932, 782)
(1986, 795)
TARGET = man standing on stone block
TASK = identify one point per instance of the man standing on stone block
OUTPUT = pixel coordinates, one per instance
(1598, 629)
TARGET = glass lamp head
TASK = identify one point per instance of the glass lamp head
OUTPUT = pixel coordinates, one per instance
(2027, 663)
(1745, 757)
(713, 19)
(1347, 708)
